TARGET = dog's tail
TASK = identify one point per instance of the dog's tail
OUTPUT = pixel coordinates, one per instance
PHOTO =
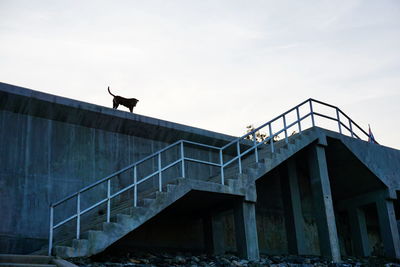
(110, 91)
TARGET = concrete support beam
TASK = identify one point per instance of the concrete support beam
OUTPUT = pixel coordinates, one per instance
(363, 199)
(214, 241)
(359, 232)
(322, 199)
(246, 230)
(388, 228)
(293, 213)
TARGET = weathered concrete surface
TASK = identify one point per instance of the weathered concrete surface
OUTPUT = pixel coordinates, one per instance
(13, 260)
(321, 191)
(293, 210)
(383, 162)
(52, 146)
(246, 230)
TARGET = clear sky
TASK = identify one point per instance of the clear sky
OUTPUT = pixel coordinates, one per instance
(217, 65)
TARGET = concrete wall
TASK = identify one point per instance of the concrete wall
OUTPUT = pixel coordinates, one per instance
(52, 146)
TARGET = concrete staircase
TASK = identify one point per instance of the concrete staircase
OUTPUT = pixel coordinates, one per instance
(129, 218)
(10, 260)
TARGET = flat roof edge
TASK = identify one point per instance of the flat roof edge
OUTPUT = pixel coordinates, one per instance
(39, 104)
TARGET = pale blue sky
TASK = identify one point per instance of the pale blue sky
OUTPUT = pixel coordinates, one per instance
(218, 65)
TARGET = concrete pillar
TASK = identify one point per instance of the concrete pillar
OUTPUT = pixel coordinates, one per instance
(293, 212)
(388, 228)
(214, 239)
(322, 200)
(359, 234)
(246, 230)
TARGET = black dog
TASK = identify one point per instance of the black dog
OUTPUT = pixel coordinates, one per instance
(127, 102)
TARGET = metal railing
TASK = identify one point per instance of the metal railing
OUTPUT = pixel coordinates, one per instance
(252, 145)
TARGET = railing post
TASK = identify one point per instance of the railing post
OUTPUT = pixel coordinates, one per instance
(298, 118)
(51, 230)
(338, 119)
(312, 114)
(239, 157)
(78, 215)
(284, 127)
(135, 187)
(351, 128)
(272, 138)
(221, 160)
(182, 160)
(108, 199)
(255, 145)
(159, 173)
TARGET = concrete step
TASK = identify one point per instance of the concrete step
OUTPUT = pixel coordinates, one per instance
(79, 248)
(33, 259)
(145, 202)
(126, 219)
(171, 187)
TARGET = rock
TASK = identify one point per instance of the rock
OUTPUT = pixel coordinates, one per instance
(236, 263)
(195, 259)
(180, 260)
(226, 262)
(145, 261)
(135, 261)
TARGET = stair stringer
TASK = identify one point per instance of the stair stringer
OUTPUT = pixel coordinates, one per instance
(272, 160)
(95, 241)
(382, 161)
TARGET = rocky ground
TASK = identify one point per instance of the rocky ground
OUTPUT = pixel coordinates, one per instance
(165, 259)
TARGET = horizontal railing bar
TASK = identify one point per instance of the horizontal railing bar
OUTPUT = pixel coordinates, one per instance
(123, 190)
(199, 144)
(170, 165)
(325, 116)
(266, 140)
(348, 129)
(65, 221)
(114, 174)
(144, 179)
(267, 123)
(94, 206)
(323, 103)
(361, 129)
(202, 161)
(290, 125)
(237, 141)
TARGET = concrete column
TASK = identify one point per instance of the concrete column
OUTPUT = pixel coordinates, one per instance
(388, 228)
(214, 240)
(246, 230)
(293, 212)
(322, 200)
(359, 234)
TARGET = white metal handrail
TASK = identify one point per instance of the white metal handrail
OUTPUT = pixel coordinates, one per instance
(349, 125)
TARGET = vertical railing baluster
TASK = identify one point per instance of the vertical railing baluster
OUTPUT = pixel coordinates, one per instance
(51, 230)
(239, 157)
(338, 120)
(272, 138)
(298, 119)
(256, 147)
(312, 113)
(221, 161)
(78, 214)
(108, 199)
(182, 160)
(159, 173)
(135, 186)
(284, 127)
(351, 128)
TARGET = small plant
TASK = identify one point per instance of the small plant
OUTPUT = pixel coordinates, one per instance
(260, 136)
